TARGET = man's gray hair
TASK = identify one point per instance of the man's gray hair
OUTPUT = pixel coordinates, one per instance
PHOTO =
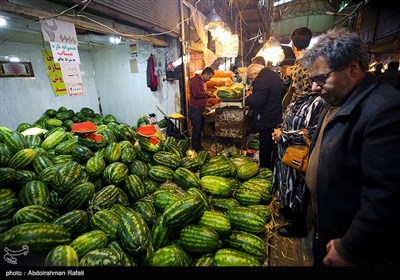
(339, 47)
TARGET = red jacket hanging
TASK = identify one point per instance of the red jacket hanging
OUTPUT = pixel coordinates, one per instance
(151, 77)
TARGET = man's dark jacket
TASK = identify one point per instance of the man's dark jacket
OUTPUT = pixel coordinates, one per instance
(358, 178)
(266, 100)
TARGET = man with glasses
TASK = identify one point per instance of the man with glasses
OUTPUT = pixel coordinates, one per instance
(353, 170)
(320, 79)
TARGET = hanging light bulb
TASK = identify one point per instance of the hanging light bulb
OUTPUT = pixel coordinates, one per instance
(272, 51)
(213, 20)
(221, 33)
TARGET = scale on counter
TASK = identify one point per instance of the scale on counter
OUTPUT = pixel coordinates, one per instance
(234, 103)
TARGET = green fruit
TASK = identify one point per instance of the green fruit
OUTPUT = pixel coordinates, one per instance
(36, 236)
(62, 255)
(199, 239)
(133, 233)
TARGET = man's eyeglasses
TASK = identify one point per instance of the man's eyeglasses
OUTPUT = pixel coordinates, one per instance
(321, 79)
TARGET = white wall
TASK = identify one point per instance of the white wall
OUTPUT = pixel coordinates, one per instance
(26, 99)
(125, 94)
(106, 74)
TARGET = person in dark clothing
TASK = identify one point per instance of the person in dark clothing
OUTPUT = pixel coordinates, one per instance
(353, 170)
(285, 71)
(392, 74)
(258, 60)
(198, 104)
(265, 102)
(236, 77)
(378, 69)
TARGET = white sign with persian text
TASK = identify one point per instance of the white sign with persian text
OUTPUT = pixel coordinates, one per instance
(71, 73)
(75, 89)
(65, 53)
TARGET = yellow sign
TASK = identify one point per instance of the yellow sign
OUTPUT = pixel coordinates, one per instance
(54, 74)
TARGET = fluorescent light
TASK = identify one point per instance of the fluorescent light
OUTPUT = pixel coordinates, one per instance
(3, 22)
(115, 40)
(14, 59)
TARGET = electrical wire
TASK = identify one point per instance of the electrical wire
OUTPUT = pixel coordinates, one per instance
(16, 33)
(126, 35)
(251, 48)
(348, 16)
(37, 20)
(63, 12)
(84, 7)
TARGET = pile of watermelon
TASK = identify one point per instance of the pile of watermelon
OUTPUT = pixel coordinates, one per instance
(65, 118)
(128, 200)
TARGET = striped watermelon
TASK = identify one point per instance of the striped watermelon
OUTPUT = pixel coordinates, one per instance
(199, 239)
(115, 173)
(89, 241)
(101, 257)
(22, 159)
(78, 197)
(67, 177)
(62, 255)
(170, 255)
(112, 152)
(8, 207)
(41, 162)
(134, 233)
(139, 168)
(107, 221)
(134, 186)
(5, 154)
(232, 257)
(104, 199)
(24, 176)
(76, 222)
(34, 193)
(34, 213)
(37, 236)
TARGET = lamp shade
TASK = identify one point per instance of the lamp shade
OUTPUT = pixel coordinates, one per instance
(213, 20)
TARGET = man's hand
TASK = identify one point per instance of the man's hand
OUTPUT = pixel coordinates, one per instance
(276, 134)
(333, 258)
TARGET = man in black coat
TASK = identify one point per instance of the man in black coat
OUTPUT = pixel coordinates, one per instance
(353, 170)
(266, 104)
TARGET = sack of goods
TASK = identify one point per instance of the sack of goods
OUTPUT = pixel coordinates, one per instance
(296, 156)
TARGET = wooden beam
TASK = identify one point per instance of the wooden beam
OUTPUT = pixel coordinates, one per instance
(80, 23)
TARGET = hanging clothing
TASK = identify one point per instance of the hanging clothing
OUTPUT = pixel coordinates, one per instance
(151, 77)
